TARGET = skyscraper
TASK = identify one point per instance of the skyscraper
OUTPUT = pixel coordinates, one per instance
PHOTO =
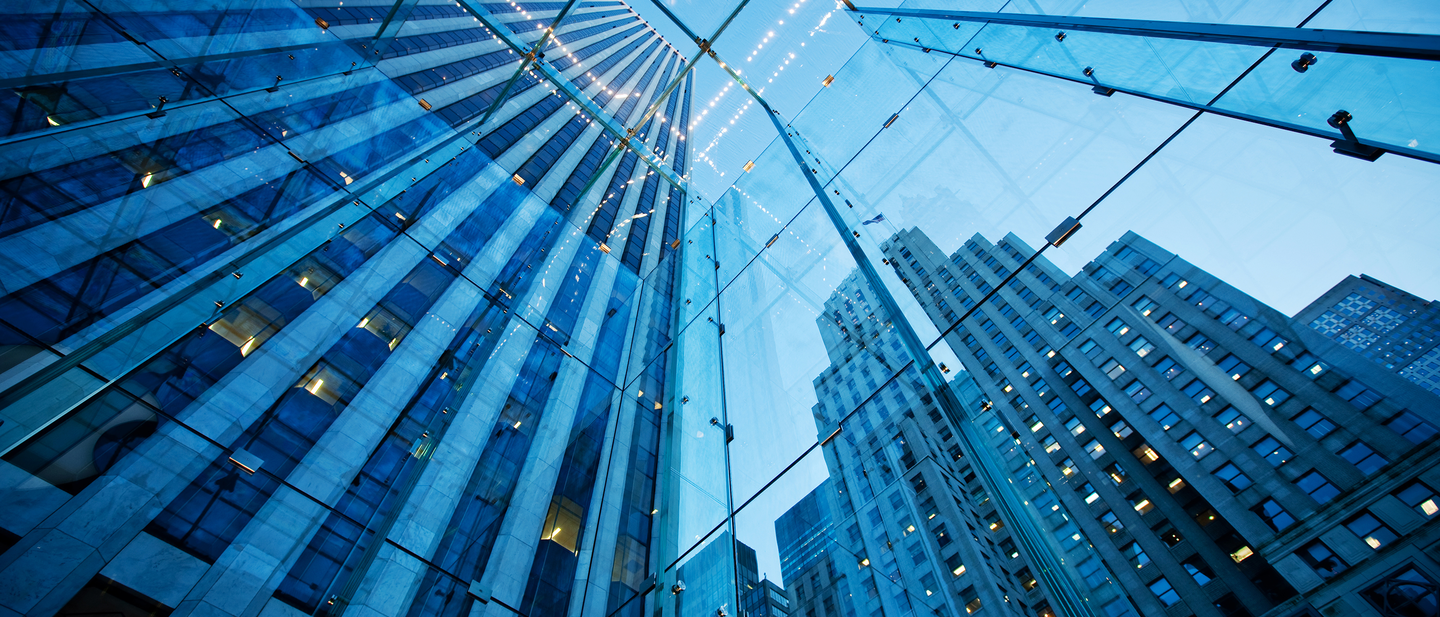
(324, 309)
(1389, 326)
(464, 307)
(1218, 454)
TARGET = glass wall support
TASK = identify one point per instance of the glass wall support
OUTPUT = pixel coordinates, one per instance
(1335, 101)
(1386, 44)
(1070, 599)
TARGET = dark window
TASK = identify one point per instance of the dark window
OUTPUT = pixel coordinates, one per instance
(1233, 478)
(1314, 423)
(1407, 593)
(1273, 515)
(1322, 559)
(1363, 458)
(1272, 451)
(1316, 486)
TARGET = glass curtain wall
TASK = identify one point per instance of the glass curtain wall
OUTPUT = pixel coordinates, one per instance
(1050, 173)
(1012, 312)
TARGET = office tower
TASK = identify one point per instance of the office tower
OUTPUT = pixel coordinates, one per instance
(1389, 326)
(1222, 458)
(768, 600)
(914, 528)
(805, 533)
(326, 310)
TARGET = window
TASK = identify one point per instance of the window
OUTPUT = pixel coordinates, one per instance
(1145, 305)
(1233, 367)
(1317, 487)
(1198, 391)
(1162, 590)
(1117, 327)
(1100, 407)
(1089, 492)
(1420, 497)
(1141, 346)
(1141, 503)
(1137, 391)
(1198, 570)
(1407, 593)
(1322, 559)
(1358, 395)
(1363, 458)
(1232, 419)
(953, 562)
(1070, 330)
(1411, 427)
(1145, 454)
(1234, 318)
(1110, 522)
(1175, 484)
(1314, 423)
(1273, 515)
(1067, 466)
(1051, 444)
(1074, 426)
(1135, 554)
(1165, 416)
(1171, 323)
(1234, 479)
(1168, 368)
(1121, 429)
(941, 537)
(1170, 537)
(1034, 423)
(1371, 530)
(1095, 449)
(1199, 343)
(1196, 444)
(1270, 393)
(1090, 348)
(1309, 365)
(1117, 475)
(1270, 449)
(1112, 368)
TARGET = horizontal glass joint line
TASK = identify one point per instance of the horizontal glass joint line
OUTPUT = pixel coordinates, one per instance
(1396, 149)
(1389, 44)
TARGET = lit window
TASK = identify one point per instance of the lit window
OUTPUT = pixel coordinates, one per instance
(1420, 497)
(1371, 530)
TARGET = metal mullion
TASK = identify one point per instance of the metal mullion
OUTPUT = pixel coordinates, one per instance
(1354, 42)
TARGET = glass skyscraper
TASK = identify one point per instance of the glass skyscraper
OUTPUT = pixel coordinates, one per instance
(595, 307)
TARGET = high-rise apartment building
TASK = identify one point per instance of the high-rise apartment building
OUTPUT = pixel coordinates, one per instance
(1390, 326)
(323, 308)
(1221, 457)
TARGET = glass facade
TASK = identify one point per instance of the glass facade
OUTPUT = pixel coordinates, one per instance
(458, 307)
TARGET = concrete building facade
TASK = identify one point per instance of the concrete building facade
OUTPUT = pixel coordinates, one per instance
(1220, 457)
